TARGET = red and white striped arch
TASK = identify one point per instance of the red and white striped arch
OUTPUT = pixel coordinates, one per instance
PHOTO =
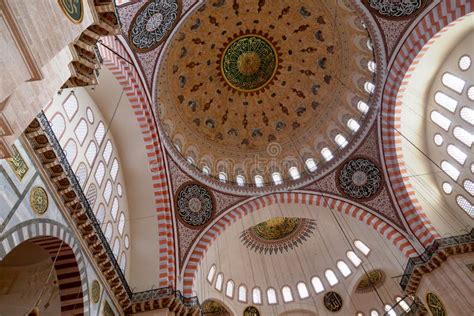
(412, 49)
(315, 199)
(132, 85)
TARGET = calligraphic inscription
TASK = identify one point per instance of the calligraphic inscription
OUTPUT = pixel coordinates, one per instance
(95, 291)
(251, 311)
(435, 305)
(73, 9)
(108, 310)
(333, 301)
(17, 163)
(39, 200)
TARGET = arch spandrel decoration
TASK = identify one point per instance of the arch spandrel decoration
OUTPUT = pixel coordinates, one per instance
(200, 247)
(54, 238)
(438, 18)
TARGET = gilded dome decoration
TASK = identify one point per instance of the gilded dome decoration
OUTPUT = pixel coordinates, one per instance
(278, 234)
(229, 85)
(248, 63)
(371, 280)
(194, 204)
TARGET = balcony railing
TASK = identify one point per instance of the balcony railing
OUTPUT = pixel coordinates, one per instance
(134, 297)
(438, 245)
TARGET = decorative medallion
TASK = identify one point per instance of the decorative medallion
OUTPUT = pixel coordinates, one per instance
(195, 204)
(153, 23)
(249, 62)
(214, 308)
(251, 311)
(108, 310)
(434, 304)
(370, 281)
(17, 163)
(332, 301)
(397, 8)
(38, 200)
(73, 9)
(360, 178)
(278, 234)
(95, 291)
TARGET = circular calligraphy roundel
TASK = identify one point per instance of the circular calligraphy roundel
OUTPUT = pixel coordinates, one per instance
(153, 23)
(194, 204)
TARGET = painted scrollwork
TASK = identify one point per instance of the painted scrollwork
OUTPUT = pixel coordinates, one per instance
(398, 8)
(360, 178)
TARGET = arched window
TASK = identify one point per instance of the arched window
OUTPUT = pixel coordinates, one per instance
(453, 82)
(369, 44)
(463, 136)
(240, 180)
(222, 176)
(70, 106)
(114, 170)
(90, 115)
(107, 191)
(317, 284)
(369, 87)
(108, 232)
(229, 289)
(58, 125)
(450, 170)
(70, 150)
(211, 273)
(362, 107)
(311, 164)
(126, 241)
(446, 101)
(287, 294)
(100, 215)
(271, 296)
(341, 140)
(374, 313)
(190, 160)
(91, 194)
(121, 223)
(81, 174)
(389, 311)
(469, 186)
(353, 125)
(258, 181)
(256, 295)
(353, 258)
(206, 170)
(343, 268)
(123, 261)
(107, 151)
(402, 304)
(99, 132)
(371, 66)
(242, 293)
(331, 277)
(362, 247)
(467, 115)
(99, 173)
(326, 153)
(277, 179)
(457, 154)
(114, 209)
(81, 131)
(219, 282)
(440, 120)
(294, 173)
(91, 151)
(302, 290)
(119, 189)
(465, 205)
(116, 247)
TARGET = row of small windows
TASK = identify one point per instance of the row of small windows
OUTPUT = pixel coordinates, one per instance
(286, 291)
(310, 163)
(389, 311)
(455, 147)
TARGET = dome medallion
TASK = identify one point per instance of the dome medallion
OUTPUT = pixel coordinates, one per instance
(248, 63)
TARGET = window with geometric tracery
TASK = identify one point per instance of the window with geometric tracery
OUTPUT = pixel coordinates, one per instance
(451, 126)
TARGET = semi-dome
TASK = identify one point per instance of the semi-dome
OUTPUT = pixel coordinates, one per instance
(253, 94)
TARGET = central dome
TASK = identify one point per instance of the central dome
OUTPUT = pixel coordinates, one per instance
(252, 89)
(249, 63)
